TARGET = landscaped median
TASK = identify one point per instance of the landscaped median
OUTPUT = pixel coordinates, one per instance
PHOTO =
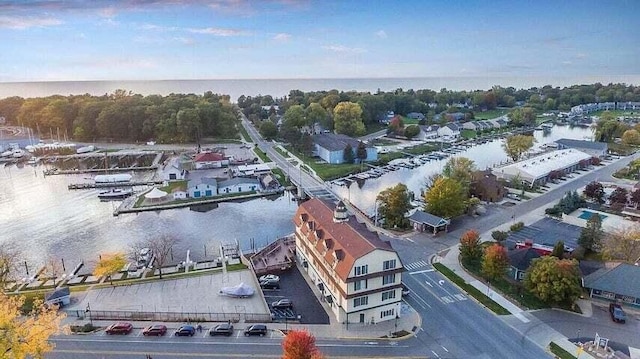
(559, 352)
(471, 290)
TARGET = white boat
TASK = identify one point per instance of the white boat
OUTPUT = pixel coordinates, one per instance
(18, 153)
(33, 161)
(6, 154)
(122, 177)
(115, 193)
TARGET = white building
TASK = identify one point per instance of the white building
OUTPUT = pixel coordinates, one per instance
(204, 187)
(238, 185)
(253, 170)
(536, 170)
(450, 130)
(358, 273)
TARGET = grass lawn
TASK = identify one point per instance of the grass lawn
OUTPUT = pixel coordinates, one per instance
(383, 142)
(374, 127)
(173, 185)
(491, 114)
(617, 113)
(409, 121)
(422, 149)
(471, 290)
(282, 178)
(468, 134)
(263, 156)
(384, 158)
(284, 154)
(244, 133)
(328, 171)
(559, 352)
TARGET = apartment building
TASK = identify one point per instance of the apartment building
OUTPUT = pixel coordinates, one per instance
(358, 273)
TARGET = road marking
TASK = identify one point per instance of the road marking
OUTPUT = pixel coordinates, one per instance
(460, 297)
(447, 299)
(429, 284)
(436, 354)
(139, 334)
(239, 332)
(422, 271)
(445, 349)
(205, 334)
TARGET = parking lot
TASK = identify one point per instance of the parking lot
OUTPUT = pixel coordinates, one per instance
(547, 231)
(305, 304)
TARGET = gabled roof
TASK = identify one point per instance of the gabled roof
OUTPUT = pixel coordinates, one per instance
(203, 180)
(428, 218)
(238, 180)
(452, 126)
(350, 239)
(624, 279)
(335, 142)
(592, 145)
(430, 128)
(209, 157)
(521, 258)
(415, 115)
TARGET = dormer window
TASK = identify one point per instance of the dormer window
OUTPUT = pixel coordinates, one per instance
(304, 217)
(338, 254)
(328, 243)
(319, 233)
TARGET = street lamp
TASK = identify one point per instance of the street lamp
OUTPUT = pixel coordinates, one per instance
(88, 310)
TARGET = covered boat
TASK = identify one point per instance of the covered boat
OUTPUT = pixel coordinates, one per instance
(239, 291)
(120, 177)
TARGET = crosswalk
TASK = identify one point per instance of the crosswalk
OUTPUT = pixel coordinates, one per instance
(416, 265)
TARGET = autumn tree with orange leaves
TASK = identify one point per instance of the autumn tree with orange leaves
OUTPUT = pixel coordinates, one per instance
(27, 336)
(300, 344)
(495, 262)
(470, 249)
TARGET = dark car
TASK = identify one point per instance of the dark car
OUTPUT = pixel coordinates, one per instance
(119, 328)
(222, 329)
(256, 329)
(270, 284)
(185, 330)
(157, 330)
(617, 314)
(282, 304)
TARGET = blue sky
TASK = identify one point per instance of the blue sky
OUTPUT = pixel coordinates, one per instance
(44, 40)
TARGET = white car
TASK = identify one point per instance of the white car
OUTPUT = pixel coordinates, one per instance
(269, 277)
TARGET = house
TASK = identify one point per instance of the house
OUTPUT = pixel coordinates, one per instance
(358, 274)
(330, 147)
(238, 185)
(470, 125)
(486, 186)
(450, 130)
(428, 132)
(206, 160)
(59, 297)
(536, 170)
(422, 221)
(455, 116)
(203, 187)
(386, 118)
(620, 282)
(593, 148)
(269, 183)
(415, 116)
(519, 261)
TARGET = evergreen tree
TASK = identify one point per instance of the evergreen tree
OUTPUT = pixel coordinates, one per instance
(347, 155)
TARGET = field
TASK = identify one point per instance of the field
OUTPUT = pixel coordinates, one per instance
(618, 113)
(488, 115)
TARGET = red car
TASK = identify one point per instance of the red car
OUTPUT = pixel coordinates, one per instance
(157, 330)
(119, 328)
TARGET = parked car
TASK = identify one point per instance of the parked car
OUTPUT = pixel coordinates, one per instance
(270, 284)
(282, 304)
(405, 290)
(256, 329)
(617, 314)
(185, 330)
(119, 328)
(222, 329)
(266, 277)
(157, 330)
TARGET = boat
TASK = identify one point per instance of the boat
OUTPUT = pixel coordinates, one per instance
(115, 193)
(33, 161)
(123, 177)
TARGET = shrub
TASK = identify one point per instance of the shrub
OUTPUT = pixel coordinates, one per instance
(500, 236)
(88, 327)
(516, 226)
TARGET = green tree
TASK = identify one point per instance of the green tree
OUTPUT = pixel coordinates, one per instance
(411, 131)
(522, 116)
(495, 262)
(607, 129)
(515, 146)
(553, 280)
(361, 152)
(347, 119)
(295, 117)
(268, 130)
(446, 198)
(470, 248)
(188, 124)
(317, 114)
(631, 137)
(558, 250)
(347, 154)
(591, 236)
(394, 205)
(460, 169)
(499, 236)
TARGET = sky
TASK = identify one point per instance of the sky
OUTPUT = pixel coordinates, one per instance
(68, 40)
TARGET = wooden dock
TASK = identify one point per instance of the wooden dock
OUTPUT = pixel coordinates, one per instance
(98, 170)
(111, 184)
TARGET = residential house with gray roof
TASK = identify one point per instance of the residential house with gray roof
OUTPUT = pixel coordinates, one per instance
(330, 147)
(620, 283)
(595, 149)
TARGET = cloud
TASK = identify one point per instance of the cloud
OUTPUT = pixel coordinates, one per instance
(567, 62)
(221, 32)
(26, 22)
(282, 37)
(344, 49)
(184, 40)
(581, 55)
(381, 34)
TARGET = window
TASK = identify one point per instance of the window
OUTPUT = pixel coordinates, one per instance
(360, 301)
(388, 295)
(388, 279)
(390, 264)
(360, 284)
(362, 270)
(387, 313)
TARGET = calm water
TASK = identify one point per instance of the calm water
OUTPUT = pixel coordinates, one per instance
(42, 218)
(281, 87)
(484, 156)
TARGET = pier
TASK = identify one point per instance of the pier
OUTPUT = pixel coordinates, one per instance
(112, 184)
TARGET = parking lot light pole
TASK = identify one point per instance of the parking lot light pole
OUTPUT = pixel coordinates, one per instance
(88, 310)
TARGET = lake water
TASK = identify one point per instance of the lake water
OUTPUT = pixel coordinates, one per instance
(484, 156)
(281, 87)
(42, 218)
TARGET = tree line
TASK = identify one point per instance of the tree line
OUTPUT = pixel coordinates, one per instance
(124, 116)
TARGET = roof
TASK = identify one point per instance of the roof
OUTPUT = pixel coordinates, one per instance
(209, 157)
(348, 239)
(541, 165)
(58, 293)
(452, 126)
(335, 142)
(238, 180)
(155, 193)
(592, 145)
(204, 180)
(428, 218)
(548, 231)
(521, 258)
(415, 115)
(624, 279)
(430, 128)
